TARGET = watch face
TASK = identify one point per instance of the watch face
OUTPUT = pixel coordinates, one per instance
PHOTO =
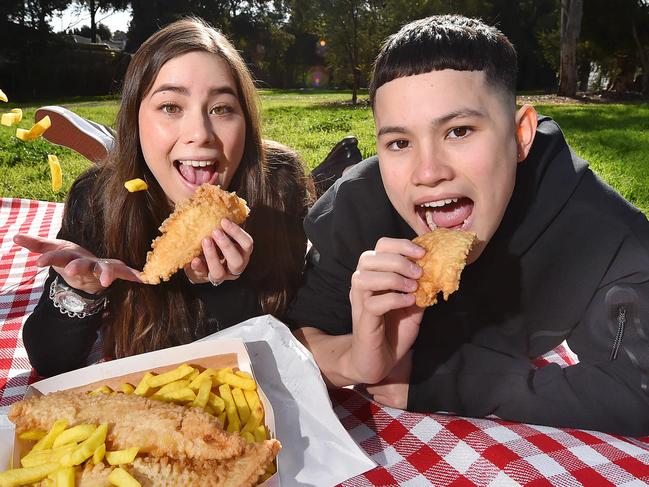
(73, 302)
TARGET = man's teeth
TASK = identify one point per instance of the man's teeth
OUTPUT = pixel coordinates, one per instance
(197, 163)
(435, 204)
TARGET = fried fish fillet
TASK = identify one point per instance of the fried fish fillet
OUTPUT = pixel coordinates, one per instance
(157, 428)
(446, 253)
(242, 471)
(183, 231)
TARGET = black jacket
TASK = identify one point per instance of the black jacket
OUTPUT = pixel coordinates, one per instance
(57, 343)
(570, 261)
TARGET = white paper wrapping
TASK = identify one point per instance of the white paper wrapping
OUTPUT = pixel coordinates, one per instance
(316, 449)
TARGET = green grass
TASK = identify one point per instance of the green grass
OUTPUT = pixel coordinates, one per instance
(614, 138)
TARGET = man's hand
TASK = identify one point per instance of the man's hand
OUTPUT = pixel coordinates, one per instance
(385, 318)
(76, 265)
(393, 390)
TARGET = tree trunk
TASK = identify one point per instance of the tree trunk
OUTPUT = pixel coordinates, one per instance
(93, 25)
(643, 54)
(571, 14)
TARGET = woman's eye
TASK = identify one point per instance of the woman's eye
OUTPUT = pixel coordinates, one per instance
(170, 108)
(221, 110)
(398, 144)
(459, 132)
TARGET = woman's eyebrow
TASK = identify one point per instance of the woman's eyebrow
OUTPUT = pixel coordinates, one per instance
(181, 90)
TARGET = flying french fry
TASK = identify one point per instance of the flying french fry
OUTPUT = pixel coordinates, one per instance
(40, 127)
(137, 184)
(3, 97)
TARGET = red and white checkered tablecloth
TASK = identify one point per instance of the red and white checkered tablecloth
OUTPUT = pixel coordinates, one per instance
(411, 449)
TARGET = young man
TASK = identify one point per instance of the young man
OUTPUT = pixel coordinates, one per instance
(560, 256)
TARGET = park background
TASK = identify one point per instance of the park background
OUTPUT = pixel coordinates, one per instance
(585, 63)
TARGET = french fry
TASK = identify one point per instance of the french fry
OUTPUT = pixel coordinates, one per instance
(23, 134)
(248, 437)
(9, 119)
(64, 477)
(100, 390)
(47, 441)
(256, 411)
(32, 435)
(173, 386)
(40, 457)
(75, 434)
(203, 393)
(244, 374)
(178, 373)
(219, 376)
(120, 457)
(121, 478)
(216, 402)
(19, 114)
(179, 396)
(137, 184)
(86, 449)
(143, 388)
(57, 183)
(127, 388)
(3, 97)
(242, 405)
(206, 374)
(99, 454)
(193, 375)
(222, 418)
(260, 433)
(234, 423)
(237, 381)
(40, 127)
(27, 475)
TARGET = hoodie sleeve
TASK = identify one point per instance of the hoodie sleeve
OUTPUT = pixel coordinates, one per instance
(608, 390)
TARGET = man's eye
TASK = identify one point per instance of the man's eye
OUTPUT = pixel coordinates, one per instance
(221, 110)
(170, 108)
(398, 144)
(459, 132)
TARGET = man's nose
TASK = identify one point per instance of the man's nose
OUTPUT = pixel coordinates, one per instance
(432, 167)
(198, 128)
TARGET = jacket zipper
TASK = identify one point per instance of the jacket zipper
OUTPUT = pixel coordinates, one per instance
(621, 323)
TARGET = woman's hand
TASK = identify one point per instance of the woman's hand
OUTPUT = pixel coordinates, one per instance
(225, 255)
(78, 267)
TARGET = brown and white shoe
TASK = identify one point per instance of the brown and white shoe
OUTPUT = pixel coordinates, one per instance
(92, 140)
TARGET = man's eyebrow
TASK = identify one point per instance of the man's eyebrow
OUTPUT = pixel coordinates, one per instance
(463, 113)
(181, 90)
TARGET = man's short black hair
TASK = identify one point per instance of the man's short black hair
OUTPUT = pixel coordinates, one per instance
(446, 42)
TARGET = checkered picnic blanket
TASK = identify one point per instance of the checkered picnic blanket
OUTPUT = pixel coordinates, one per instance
(411, 449)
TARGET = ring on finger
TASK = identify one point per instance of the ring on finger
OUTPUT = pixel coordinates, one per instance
(212, 281)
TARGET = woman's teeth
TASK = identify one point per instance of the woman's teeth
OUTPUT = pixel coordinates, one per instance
(196, 163)
(435, 204)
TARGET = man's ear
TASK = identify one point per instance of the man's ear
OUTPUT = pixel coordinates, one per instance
(525, 130)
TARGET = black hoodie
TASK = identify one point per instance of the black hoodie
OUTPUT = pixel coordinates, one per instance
(570, 261)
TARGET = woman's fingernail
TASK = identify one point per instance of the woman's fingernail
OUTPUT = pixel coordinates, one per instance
(218, 234)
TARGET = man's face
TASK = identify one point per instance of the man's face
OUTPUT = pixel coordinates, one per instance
(446, 142)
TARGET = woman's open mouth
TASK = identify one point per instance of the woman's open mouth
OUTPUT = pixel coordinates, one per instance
(451, 213)
(197, 172)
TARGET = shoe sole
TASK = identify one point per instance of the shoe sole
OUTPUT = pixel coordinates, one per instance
(66, 133)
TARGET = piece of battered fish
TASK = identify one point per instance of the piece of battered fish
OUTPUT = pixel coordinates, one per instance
(182, 232)
(446, 253)
(157, 428)
(242, 471)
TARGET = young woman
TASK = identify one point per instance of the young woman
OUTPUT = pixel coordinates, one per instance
(188, 116)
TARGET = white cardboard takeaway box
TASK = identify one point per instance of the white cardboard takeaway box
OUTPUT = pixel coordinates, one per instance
(218, 353)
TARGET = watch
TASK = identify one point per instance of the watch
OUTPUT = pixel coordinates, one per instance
(73, 302)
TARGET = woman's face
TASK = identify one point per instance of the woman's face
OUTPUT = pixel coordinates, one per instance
(191, 125)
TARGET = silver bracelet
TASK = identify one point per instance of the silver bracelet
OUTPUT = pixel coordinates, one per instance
(72, 303)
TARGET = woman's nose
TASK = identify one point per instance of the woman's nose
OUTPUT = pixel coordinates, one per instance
(198, 128)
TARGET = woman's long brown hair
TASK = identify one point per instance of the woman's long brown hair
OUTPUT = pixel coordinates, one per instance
(142, 318)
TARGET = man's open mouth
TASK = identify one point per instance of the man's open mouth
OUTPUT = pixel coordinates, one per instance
(197, 172)
(451, 213)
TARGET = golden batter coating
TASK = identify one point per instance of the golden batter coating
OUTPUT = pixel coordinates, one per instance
(182, 232)
(446, 253)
